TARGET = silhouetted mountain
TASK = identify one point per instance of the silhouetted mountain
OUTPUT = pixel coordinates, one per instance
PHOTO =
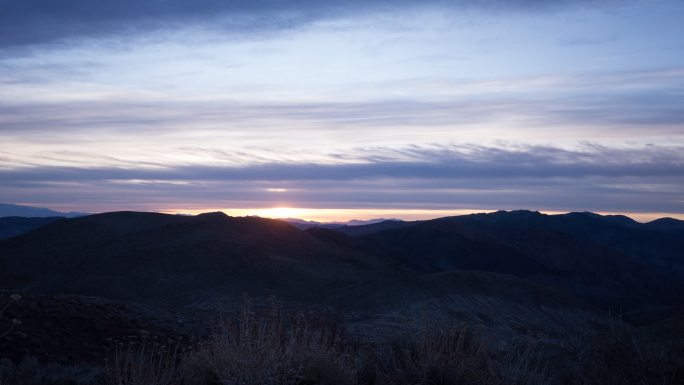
(68, 328)
(304, 224)
(659, 250)
(13, 226)
(10, 210)
(513, 275)
(606, 259)
(149, 256)
(373, 227)
(666, 224)
(209, 260)
(141, 256)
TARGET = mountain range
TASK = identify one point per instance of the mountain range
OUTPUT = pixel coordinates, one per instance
(305, 224)
(511, 274)
(152, 257)
(11, 210)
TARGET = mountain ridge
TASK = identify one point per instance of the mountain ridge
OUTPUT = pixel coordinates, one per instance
(75, 254)
(13, 210)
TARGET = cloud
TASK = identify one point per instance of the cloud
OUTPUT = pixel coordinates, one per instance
(589, 40)
(415, 162)
(27, 22)
(438, 177)
(614, 101)
(325, 116)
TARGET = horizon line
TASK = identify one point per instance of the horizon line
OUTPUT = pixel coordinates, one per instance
(343, 215)
(349, 215)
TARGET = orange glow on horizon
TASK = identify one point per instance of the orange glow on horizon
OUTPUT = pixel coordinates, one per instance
(343, 215)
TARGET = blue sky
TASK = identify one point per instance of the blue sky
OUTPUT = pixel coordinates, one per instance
(365, 107)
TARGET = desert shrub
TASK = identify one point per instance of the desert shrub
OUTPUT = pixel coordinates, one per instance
(450, 357)
(522, 363)
(14, 322)
(622, 356)
(270, 347)
(31, 372)
(273, 348)
(144, 361)
(435, 357)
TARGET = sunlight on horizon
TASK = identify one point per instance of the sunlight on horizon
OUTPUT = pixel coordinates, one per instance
(345, 215)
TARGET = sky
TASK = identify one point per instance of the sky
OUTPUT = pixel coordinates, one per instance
(333, 110)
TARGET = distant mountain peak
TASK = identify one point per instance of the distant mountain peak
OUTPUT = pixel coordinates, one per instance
(519, 212)
(358, 222)
(305, 224)
(666, 224)
(12, 210)
(667, 220)
(213, 214)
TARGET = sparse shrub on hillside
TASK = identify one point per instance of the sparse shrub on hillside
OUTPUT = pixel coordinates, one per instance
(451, 357)
(275, 347)
(621, 356)
(14, 322)
(31, 372)
(144, 361)
(520, 364)
(436, 357)
(271, 348)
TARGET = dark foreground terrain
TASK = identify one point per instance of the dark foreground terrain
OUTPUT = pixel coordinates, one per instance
(503, 298)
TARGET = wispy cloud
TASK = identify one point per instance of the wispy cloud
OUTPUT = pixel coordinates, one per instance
(616, 101)
(415, 162)
(438, 177)
(438, 104)
(39, 21)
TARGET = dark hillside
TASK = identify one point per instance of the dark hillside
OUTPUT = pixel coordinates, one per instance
(656, 246)
(145, 256)
(68, 328)
(13, 226)
(511, 279)
(666, 224)
(606, 260)
(356, 231)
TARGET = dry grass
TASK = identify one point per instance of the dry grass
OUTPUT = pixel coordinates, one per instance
(29, 371)
(620, 356)
(14, 322)
(452, 357)
(436, 357)
(144, 361)
(271, 348)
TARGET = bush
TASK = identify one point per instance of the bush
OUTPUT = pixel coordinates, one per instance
(435, 357)
(270, 348)
(144, 362)
(451, 357)
(622, 356)
(14, 322)
(31, 372)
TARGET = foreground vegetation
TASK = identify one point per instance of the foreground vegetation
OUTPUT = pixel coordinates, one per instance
(272, 347)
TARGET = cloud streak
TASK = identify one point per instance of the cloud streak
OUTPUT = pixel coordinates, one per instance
(654, 98)
(441, 177)
(439, 162)
(489, 104)
(26, 22)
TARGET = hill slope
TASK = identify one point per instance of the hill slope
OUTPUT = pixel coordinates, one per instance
(209, 261)
(610, 260)
(203, 259)
(10, 210)
(13, 226)
(147, 256)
